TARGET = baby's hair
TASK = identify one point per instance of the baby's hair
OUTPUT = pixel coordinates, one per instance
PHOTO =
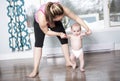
(52, 10)
(76, 24)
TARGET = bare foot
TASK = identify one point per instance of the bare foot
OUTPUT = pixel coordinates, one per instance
(69, 64)
(32, 74)
(82, 70)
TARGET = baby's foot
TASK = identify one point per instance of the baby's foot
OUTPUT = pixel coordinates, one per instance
(74, 66)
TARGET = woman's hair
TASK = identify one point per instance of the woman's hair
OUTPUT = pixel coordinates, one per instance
(52, 10)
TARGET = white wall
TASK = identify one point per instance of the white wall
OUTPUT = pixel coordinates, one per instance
(4, 36)
(103, 39)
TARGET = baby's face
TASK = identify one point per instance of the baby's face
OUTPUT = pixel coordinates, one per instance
(76, 30)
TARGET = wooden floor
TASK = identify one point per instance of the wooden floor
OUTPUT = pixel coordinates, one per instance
(103, 66)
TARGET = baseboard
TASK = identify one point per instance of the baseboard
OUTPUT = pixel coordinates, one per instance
(50, 52)
(16, 55)
(99, 47)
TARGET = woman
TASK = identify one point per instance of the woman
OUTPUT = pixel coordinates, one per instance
(49, 16)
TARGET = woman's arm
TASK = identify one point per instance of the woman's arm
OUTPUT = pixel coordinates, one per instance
(76, 18)
(43, 25)
(68, 35)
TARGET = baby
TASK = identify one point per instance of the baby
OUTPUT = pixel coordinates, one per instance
(76, 45)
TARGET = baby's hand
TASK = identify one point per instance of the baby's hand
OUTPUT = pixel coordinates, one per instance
(88, 32)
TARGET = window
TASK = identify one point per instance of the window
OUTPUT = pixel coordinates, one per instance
(96, 13)
(114, 14)
(90, 11)
(31, 6)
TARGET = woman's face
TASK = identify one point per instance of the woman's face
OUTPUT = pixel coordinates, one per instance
(58, 18)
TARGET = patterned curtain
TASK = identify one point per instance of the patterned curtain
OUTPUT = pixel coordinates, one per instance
(19, 39)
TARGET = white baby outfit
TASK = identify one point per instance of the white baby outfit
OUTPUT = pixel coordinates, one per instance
(77, 52)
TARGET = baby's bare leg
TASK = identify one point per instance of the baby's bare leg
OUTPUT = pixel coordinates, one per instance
(81, 58)
(73, 60)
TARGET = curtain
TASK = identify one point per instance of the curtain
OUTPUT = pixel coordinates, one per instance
(19, 39)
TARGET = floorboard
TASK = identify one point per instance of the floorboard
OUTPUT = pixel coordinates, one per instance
(102, 66)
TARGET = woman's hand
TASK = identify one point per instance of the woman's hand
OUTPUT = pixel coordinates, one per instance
(62, 35)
